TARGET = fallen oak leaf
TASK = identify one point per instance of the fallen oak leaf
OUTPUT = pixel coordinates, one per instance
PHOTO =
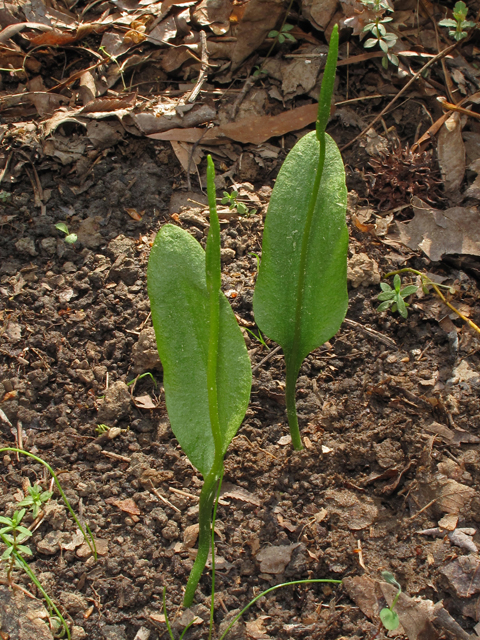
(144, 402)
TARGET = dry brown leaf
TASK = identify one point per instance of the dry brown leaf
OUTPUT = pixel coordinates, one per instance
(144, 402)
(319, 12)
(255, 629)
(259, 18)
(109, 104)
(275, 559)
(239, 493)
(183, 152)
(59, 38)
(451, 153)
(251, 130)
(438, 233)
(128, 505)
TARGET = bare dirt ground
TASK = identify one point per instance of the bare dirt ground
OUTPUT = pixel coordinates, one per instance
(389, 408)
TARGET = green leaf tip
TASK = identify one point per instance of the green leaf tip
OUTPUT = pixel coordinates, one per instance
(328, 84)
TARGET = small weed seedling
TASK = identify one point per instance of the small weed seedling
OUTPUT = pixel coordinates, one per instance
(300, 297)
(70, 238)
(379, 32)
(426, 284)
(283, 34)
(233, 203)
(13, 534)
(5, 196)
(394, 299)
(457, 27)
(35, 499)
(388, 616)
(260, 338)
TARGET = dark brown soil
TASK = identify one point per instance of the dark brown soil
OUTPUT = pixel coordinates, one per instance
(70, 319)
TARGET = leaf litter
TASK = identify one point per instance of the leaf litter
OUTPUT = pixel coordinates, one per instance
(79, 125)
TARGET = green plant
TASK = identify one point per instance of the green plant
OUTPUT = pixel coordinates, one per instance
(426, 284)
(378, 30)
(458, 25)
(70, 238)
(283, 34)
(395, 298)
(207, 372)
(233, 203)
(388, 616)
(5, 196)
(300, 298)
(14, 534)
(35, 499)
(260, 338)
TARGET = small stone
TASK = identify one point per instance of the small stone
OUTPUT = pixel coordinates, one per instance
(78, 633)
(121, 246)
(115, 404)
(114, 632)
(227, 255)
(50, 544)
(69, 267)
(49, 245)
(171, 531)
(87, 377)
(100, 372)
(362, 270)
(73, 602)
(26, 245)
(273, 560)
(145, 353)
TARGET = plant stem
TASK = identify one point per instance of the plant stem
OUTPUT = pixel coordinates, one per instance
(207, 495)
(212, 601)
(426, 280)
(264, 593)
(295, 357)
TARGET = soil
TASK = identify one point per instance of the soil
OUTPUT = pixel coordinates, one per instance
(76, 330)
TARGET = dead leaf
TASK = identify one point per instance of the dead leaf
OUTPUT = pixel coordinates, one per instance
(438, 233)
(183, 152)
(251, 130)
(128, 505)
(239, 493)
(59, 38)
(275, 559)
(255, 628)
(319, 12)
(452, 436)
(259, 18)
(451, 153)
(144, 402)
(463, 576)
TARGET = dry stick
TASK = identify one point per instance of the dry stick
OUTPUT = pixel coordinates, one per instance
(266, 359)
(377, 118)
(371, 333)
(203, 72)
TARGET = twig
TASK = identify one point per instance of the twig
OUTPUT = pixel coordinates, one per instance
(162, 498)
(371, 333)
(428, 64)
(116, 456)
(184, 493)
(266, 359)
(203, 72)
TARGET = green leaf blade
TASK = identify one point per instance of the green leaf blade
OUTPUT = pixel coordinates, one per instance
(180, 313)
(325, 296)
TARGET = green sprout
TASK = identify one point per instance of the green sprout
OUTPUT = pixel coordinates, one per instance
(283, 34)
(5, 196)
(102, 428)
(395, 298)
(260, 338)
(70, 238)
(379, 32)
(36, 497)
(388, 616)
(233, 203)
(12, 536)
(459, 24)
